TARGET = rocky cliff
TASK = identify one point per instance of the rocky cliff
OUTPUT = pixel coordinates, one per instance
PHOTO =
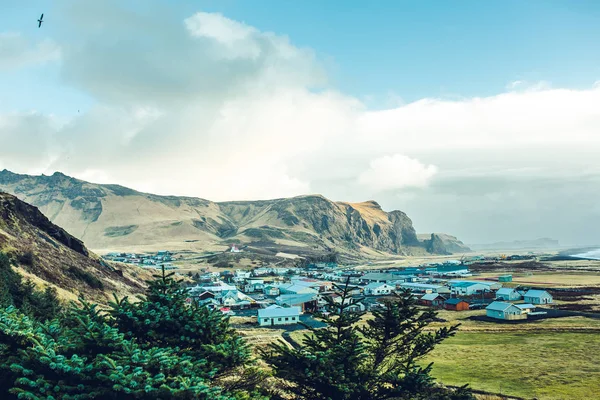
(112, 217)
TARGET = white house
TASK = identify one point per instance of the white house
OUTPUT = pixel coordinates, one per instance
(488, 284)
(508, 294)
(277, 315)
(537, 297)
(424, 287)
(378, 289)
(254, 285)
(240, 273)
(503, 310)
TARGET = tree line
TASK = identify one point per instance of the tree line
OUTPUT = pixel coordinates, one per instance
(161, 346)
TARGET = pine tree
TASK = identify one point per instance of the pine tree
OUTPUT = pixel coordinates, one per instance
(378, 361)
(157, 348)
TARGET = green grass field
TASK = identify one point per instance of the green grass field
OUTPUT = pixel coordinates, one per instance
(553, 365)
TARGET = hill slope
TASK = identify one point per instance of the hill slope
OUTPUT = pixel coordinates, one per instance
(112, 217)
(48, 255)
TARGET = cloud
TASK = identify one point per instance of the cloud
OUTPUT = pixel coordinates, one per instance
(17, 51)
(396, 172)
(212, 107)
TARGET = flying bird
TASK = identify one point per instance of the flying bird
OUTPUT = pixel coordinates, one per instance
(40, 21)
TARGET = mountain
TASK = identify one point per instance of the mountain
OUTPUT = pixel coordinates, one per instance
(543, 243)
(113, 217)
(48, 255)
(442, 242)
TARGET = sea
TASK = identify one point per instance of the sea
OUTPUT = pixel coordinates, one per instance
(588, 255)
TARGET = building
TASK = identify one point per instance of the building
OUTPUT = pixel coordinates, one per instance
(432, 300)
(254, 285)
(424, 287)
(449, 269)
(277, 315)
(503, 310)
(378, 289)
(508, 294)
(295, 288)
(379, 277)
(487, 286)
(306, 302)
(271, 290)
(456, 305)
(505, 278)
(537, 297)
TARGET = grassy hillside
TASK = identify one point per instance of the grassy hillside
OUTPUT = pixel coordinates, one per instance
(49, 256)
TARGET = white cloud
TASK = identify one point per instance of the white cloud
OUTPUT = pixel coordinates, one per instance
(396, 172)
(216, 108)
(17, 51)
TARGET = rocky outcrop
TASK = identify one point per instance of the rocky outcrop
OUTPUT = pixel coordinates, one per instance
(441, 243)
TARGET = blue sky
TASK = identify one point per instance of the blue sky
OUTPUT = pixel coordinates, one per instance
(476, 118)
(379, 51)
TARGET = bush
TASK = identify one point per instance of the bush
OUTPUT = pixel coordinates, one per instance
(26, 258)
(85, 276)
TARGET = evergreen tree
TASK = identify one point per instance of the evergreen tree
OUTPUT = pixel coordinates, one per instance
(172, 352)
(23, 294)
(375, 362)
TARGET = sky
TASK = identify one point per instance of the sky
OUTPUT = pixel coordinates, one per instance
(477, 119)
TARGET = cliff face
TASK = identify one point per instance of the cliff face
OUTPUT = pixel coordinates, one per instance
(49, 255)
(112, 217)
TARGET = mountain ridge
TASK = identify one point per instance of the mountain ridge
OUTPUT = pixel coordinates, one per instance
(114, 217)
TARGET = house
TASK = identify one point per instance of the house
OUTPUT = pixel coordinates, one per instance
(235, 249)
(297, 289)
(306, 302)
(237, 299)
(424, 287)
(379, 277)
(241, 274)
(468, 288)
(490, 285)
(508, 294)
(537, 297)
(432, 300)
(503, 310)
(456, 305)
(505, 278)
(254, 285)
(277, 315)
(271, 290)
(449, 269)
(378, 289)
(214, 287)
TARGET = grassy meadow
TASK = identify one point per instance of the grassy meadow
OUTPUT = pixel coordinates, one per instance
(551, 365)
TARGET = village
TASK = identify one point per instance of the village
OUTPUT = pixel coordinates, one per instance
(281, 296)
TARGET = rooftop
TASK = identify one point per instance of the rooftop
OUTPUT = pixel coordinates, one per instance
(536, 293)
(275, 311)
(454, 301)
(499, 306)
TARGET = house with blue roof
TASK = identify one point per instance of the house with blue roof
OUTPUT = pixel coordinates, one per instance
(534, 296)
